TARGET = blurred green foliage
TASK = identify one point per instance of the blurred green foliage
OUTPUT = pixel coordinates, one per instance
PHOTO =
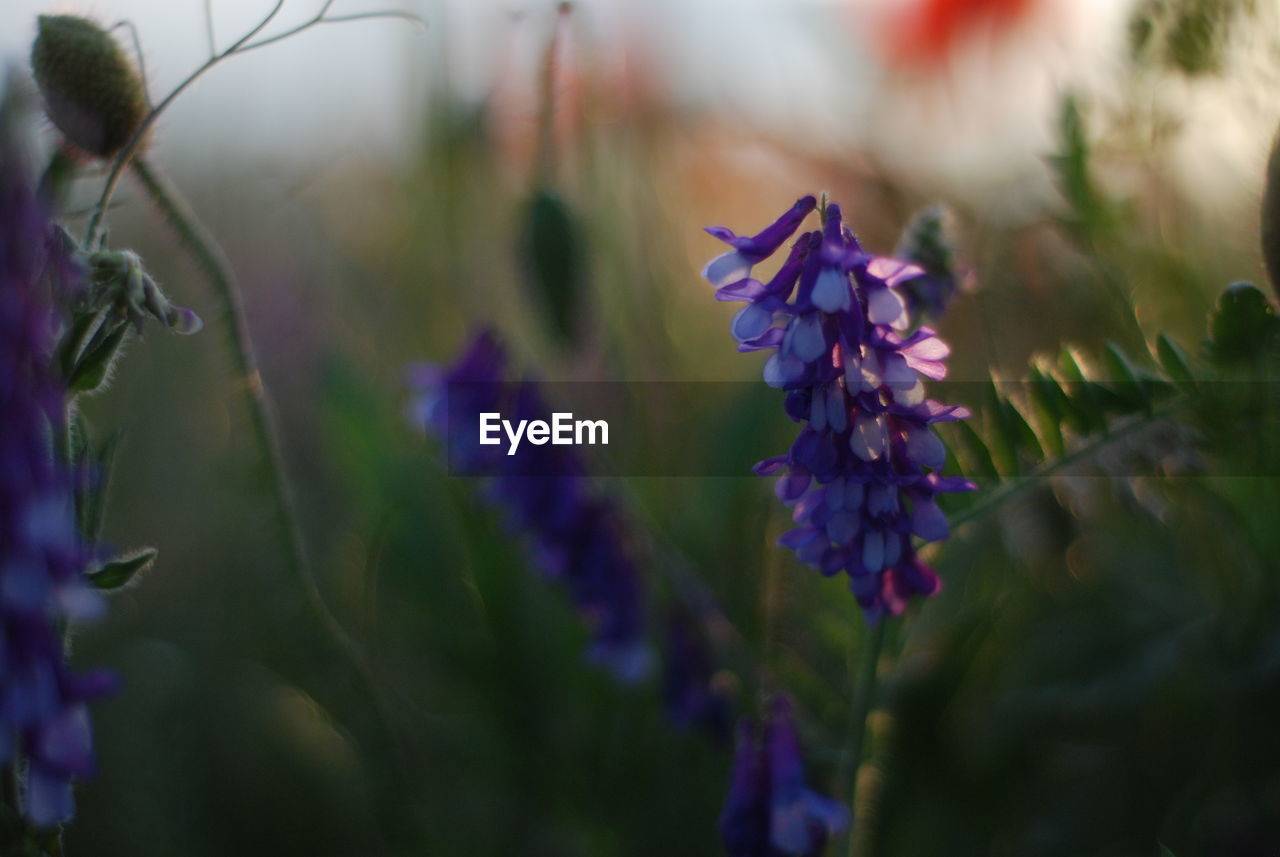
(1190, 36)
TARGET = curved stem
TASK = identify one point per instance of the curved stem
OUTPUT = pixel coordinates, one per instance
(214, 264)
(863, 697)
(241, 45)
(126, 155)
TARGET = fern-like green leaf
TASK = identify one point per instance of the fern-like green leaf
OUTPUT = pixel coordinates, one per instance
(1076, 410)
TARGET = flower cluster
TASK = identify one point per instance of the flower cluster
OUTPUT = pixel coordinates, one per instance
(573, 532)
(770, 811)
(44, 722)
(862, 476)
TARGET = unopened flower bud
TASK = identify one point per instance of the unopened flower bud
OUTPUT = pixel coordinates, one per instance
(123, 284)
(182, 320)
(92, 92)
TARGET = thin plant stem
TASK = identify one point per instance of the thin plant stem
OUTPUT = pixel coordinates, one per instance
(544, 155)
(10, 789)
(209, 34)
(241, 45)
(214, 264)
(333, 19)
(863, 698)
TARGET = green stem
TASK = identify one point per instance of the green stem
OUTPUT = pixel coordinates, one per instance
(213, 262)
(863, 697)
(12, 833)
(132, 150)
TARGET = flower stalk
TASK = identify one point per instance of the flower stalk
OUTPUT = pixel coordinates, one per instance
(214, 264)
(863, 700)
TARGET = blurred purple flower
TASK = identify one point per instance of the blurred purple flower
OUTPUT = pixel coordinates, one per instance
(688, 683)
(43, 717)
(573, 533)
(862, 475)
(770, 811)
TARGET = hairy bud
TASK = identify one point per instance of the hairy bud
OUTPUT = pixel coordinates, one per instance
(92, 92)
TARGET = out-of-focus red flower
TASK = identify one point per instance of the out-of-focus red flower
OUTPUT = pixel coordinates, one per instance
(927, 31)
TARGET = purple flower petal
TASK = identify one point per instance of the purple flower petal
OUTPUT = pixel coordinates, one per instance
(769, 466)
(885, 307)
(65, 743)
(892, 271)
(728, 268)
(805, 338)
(48, 801)
(763, 244)
(928, 522)
(925, 447)
(750, 322)
(831, 291)
(743, 290)
(771, 338)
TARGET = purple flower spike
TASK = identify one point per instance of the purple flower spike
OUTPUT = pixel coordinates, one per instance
(737, 263)
(862, 474)
(573, 533)
(770, 811)
(42, 556)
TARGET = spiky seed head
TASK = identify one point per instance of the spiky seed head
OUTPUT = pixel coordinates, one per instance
(92, 91)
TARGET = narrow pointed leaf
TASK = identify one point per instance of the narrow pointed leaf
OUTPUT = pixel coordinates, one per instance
(1024, 437)
(94, 367)
(1046, 401)
(1083, 394)
(1003, 436)
(77, 338)
(118, 572)
(1126, 384)
(980, 461)
(1174, 361)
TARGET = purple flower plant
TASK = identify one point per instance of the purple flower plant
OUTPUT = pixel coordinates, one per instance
(44, 721)
(862, 476)
(573, 532)
(770, 811)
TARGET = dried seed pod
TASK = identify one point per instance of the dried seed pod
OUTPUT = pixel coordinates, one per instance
(92, 91)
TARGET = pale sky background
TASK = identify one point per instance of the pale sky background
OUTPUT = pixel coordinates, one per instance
(800, 67)
(794, 63)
